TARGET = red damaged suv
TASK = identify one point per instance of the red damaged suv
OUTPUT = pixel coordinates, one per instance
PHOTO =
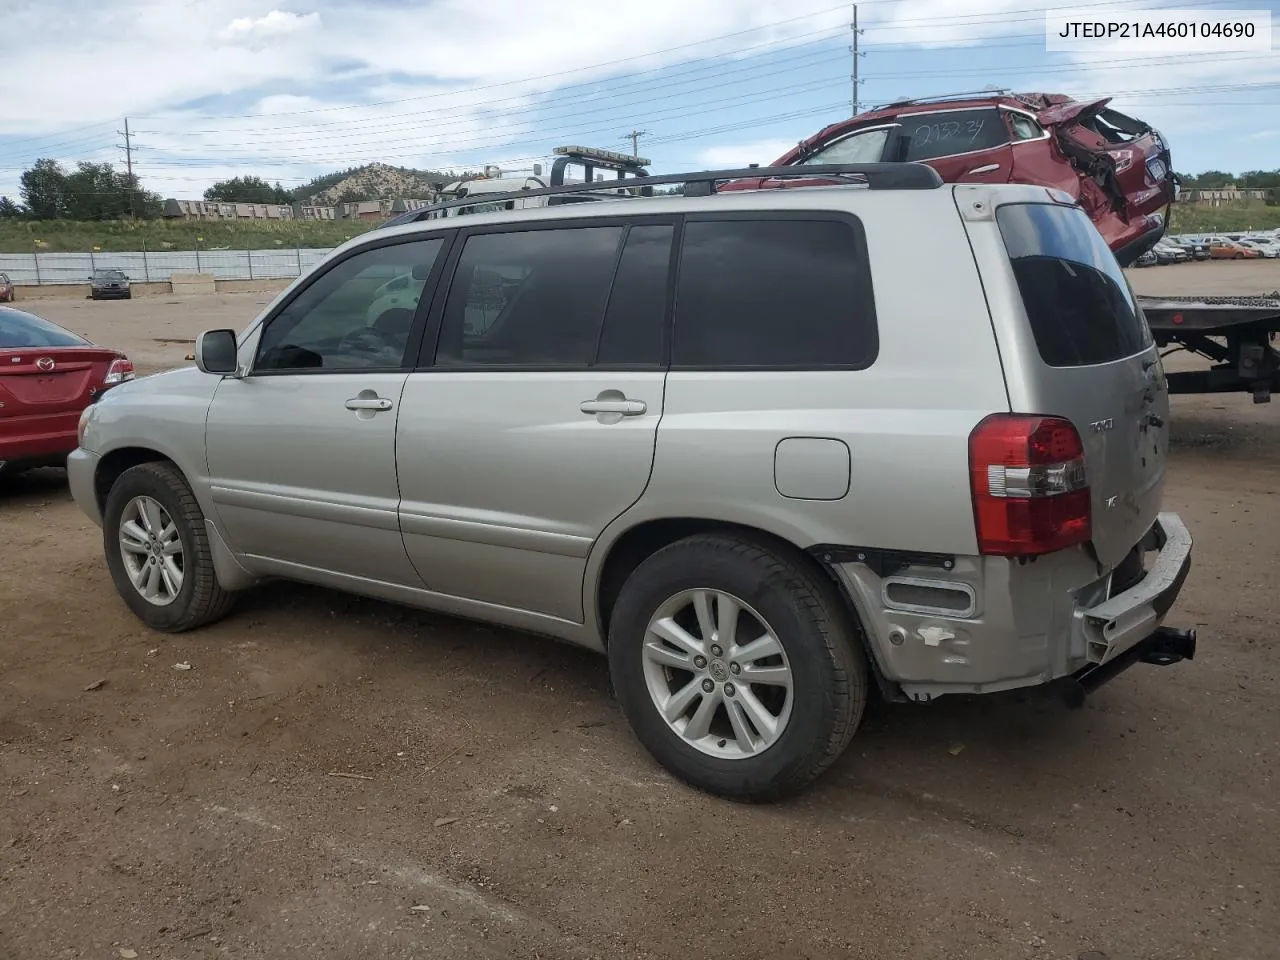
(1116, 167)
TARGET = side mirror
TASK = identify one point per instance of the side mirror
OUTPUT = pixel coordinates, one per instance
(216, 352)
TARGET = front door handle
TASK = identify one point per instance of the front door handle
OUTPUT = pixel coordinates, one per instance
(626, 408)
(368, 403)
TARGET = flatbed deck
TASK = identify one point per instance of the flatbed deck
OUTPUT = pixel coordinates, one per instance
(1233, 331)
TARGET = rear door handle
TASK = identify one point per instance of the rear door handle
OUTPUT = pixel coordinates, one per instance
(368, 403)
(628, 408)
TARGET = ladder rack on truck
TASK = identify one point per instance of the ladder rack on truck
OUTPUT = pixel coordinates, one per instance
(1234, 332)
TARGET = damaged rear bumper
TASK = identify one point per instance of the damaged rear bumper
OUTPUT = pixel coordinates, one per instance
(1128, 628)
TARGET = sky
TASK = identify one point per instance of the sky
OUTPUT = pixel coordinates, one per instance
(290, 89)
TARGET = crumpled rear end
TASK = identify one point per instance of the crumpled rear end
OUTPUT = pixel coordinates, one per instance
(1124, 172)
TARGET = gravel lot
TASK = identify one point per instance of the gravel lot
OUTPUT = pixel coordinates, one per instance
(334, 777)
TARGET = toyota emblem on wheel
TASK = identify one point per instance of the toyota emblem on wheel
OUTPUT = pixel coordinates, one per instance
(45, 363)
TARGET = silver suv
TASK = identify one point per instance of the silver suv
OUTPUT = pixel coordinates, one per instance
(767, 449)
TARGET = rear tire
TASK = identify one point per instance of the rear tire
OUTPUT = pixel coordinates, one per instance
(157, 550)
(812, 692)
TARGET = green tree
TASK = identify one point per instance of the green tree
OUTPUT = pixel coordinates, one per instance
(93, 191)
(247, 190)
(96, 191)
(44, 190)
(10, 210)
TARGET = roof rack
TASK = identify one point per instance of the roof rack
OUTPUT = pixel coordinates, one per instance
(874, 176)
(944, 97)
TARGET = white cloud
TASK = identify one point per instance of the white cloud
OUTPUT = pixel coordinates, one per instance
(473, 97)
(260, 30)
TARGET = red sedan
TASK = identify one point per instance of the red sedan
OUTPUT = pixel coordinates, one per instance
(48, 375)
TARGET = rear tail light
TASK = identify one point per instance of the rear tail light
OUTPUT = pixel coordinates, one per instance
(119, 371)
(1030, 494)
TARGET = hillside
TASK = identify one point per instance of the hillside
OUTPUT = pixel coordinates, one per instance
(76, 236)
(374, 181)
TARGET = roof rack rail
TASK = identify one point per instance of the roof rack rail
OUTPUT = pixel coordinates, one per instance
(875, 176)
(990, 91)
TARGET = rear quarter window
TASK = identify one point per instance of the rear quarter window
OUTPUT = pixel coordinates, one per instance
(1077, 299)
(774, 293)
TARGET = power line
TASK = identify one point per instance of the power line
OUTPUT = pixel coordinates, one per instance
(590, 118)
(979, 19)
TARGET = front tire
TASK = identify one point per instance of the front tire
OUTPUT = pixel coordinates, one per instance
(738, 667)
(157, 550)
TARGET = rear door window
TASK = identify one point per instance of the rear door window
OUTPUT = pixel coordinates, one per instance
(636, 315)
(930, 135)
(774, 293)
(529, 298)
(1081, 308)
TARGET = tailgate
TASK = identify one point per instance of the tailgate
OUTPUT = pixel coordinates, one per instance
(1094, 362)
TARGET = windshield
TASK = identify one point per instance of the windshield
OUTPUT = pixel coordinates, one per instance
(21, 329)
(110, 275)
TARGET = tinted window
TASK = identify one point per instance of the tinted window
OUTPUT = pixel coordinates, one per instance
(773, 293)
(867, 147)
(21, 329)
(637, 306)
(929, 135)
(534, 297)
(355, 316)
(1079, 303)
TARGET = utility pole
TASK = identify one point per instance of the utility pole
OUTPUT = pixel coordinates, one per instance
(634, 137)
(857, 55)
(128, 161)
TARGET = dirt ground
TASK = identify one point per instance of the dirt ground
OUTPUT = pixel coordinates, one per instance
(334, 777)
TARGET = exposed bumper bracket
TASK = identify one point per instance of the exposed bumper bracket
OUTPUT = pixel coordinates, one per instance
(1164, 647)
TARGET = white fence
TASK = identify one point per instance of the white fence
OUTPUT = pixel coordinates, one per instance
(156, 266)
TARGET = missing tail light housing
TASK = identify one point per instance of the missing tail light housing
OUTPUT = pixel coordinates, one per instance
(1030, 492)
(119, 371)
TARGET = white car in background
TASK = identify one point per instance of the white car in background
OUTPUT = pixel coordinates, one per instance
(1267, 246)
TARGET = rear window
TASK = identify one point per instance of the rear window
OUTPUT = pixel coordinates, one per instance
(21, 329)
(1081, 308)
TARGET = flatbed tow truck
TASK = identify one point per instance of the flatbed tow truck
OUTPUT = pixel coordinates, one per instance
(1235, 333)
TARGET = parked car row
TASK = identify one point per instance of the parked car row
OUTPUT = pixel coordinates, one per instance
(1180, 249)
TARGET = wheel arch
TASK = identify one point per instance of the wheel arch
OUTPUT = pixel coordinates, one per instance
(231, 573)
(632, 546)
(115, 462)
